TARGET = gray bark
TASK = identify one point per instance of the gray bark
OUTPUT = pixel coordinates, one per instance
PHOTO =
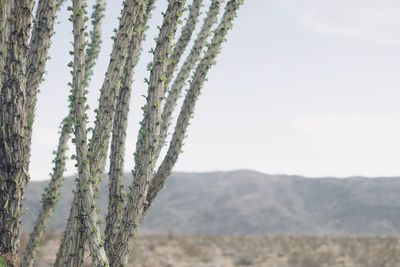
(5, 13)
(13, 159)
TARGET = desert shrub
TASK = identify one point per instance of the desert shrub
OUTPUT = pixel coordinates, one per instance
(244, 260)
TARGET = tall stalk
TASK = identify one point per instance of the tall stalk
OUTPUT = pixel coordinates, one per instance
(116, 175)
(86, 205)
(191, 97)
(13, 123)
(148, 135)
(190, 62)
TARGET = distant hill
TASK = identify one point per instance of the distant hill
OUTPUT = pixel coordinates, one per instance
(248, 202)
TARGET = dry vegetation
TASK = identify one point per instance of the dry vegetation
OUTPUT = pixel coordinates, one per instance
(281, 251)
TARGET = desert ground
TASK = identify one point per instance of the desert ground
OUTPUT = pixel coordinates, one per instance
(263, 251)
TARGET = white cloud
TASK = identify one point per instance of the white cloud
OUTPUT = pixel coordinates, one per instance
(354, 144)
(373, 20)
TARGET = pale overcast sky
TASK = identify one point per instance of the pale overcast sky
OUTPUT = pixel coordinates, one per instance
(306, 87)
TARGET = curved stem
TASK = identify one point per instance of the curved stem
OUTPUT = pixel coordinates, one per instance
(116, 173)
(148, 136)
(191, 97)
(187, 67)
(86, 205)
(184, 38)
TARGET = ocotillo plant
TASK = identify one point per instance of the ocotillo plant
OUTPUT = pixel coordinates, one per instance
(23, 55)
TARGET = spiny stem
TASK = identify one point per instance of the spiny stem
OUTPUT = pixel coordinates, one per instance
(43, 30)
(191, 97)
(86, 205)
(116, 174)
(184, 38)
(184, 72)
(93, 48)
(148, 135)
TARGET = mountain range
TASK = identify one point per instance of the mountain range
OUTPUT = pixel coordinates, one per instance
(253, 203)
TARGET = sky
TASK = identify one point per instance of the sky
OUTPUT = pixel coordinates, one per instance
(307, 87)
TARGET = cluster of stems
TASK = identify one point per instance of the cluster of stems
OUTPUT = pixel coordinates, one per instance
(23, 55)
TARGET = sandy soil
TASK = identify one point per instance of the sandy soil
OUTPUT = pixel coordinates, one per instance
(203, 251)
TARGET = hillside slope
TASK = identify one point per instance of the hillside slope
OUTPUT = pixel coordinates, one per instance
(248, 202)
